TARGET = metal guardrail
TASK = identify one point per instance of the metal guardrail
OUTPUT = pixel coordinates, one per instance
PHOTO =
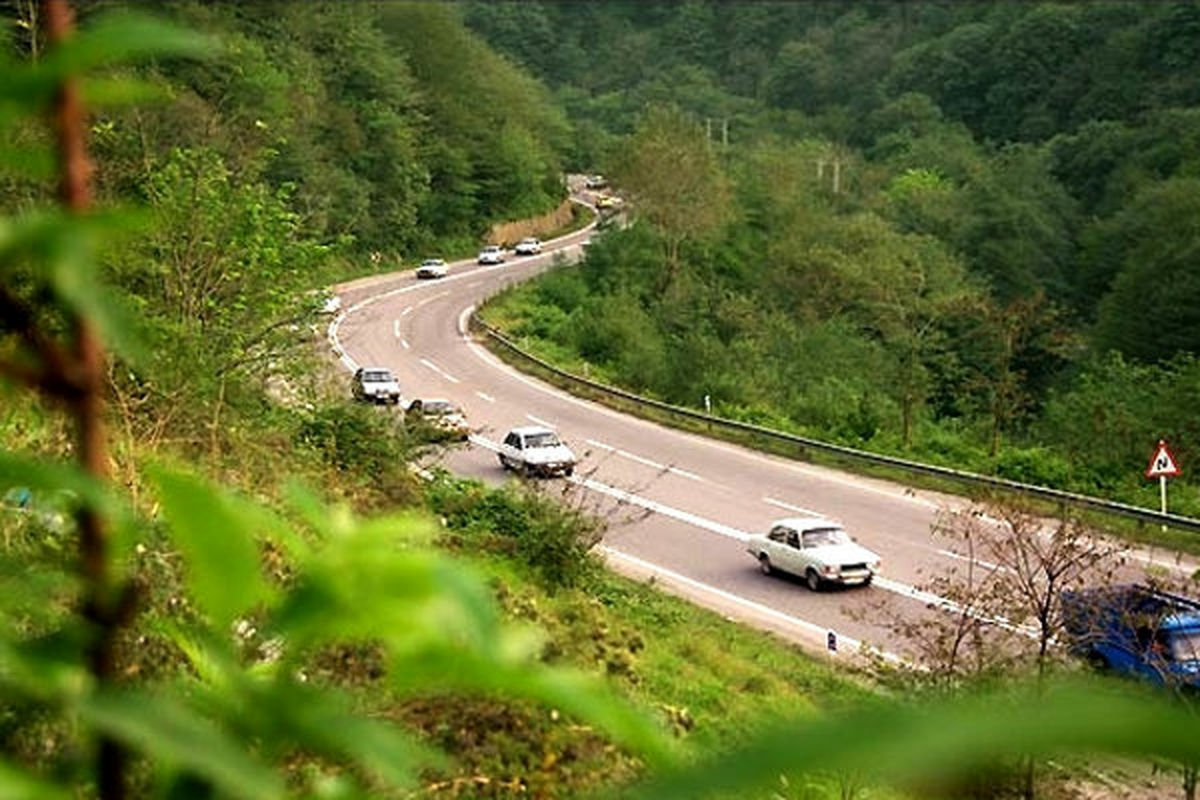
(1041, 492)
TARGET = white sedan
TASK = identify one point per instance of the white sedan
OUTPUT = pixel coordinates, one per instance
(815, 549)
(492, 254)
(528, 247)
(432, 268)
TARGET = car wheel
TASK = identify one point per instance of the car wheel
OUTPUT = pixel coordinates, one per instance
(527, 470)
(764, 564)
(503, 462)
(813, 580)
(569, 471)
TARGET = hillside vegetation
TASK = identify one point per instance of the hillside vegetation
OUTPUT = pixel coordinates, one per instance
(964, 233)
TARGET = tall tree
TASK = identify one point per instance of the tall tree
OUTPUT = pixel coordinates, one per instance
(674, 179)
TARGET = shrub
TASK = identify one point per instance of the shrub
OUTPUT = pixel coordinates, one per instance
(552, 539)
(354, 438)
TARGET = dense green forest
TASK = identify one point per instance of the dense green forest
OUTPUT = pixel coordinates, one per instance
(961, 231)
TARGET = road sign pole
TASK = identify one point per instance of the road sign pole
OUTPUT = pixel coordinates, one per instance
(1162, 493)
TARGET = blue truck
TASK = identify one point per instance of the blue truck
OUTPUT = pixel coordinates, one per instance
(1136, 630)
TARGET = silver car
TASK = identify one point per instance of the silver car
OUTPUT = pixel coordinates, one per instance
(528, 247)
(536, 451)
(432, 268)
(375, 385)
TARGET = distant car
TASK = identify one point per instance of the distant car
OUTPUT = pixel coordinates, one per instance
(815, 549)
(528, 247)
(595, 182)
(432, 268)
(375, 385)
(492, 254)
(536, 451)
(608, 201)
(441, 415)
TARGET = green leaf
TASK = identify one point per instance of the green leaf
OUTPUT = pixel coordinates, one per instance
(28, 162)
(17, 784)
(223, 569)
(122, 38)
(44, 476)
(167, 731)
(117, 92)
(894, 741)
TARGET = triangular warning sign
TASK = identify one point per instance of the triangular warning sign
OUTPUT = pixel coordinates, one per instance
(1163, 463)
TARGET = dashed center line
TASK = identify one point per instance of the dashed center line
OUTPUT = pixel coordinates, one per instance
(404, 343)
(396, 328)
(407, 310)
(979, 561)
(790, 507)
(683, 473)
(485, 396)
(540, 421)
(431, 298)
(439, 370)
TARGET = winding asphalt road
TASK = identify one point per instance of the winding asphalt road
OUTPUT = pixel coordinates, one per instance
(679, 505)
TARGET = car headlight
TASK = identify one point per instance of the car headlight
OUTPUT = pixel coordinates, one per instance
(875, 565)
(830, 569)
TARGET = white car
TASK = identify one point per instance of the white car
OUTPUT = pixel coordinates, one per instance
(536, 451)
(432, 268)
(815, 549)
(528, 247)
(375, 385)
(492, 254)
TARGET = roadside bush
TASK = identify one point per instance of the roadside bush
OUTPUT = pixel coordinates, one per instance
(354, 438)
(1036, 465)
(555, 541)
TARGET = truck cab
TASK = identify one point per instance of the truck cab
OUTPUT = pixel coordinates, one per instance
(1136, 630)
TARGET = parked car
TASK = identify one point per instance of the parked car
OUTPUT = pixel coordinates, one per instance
(442, 415)
(492, 254)
(608, 201)
(1135, 630)
(432, 268)
(376, 385)
(816, 549)
(536, 451)
(528, 247)
(595, 182)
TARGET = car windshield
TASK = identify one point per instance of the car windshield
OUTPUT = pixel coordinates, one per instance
(377, 376)
(820, 537)
(546, 439)
(1185, 646)
(431, 262)
(438, 407)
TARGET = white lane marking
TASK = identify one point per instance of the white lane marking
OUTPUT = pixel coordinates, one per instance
(683, 473)
(396, 328)
(979, 561)
(903, 589)
(404, 343)
(484, 355)
(540, 421)
(332, 333)
(485, 396)
(407, 310)
(439, 370)
(462, 321)
(790, 507)
(431, 298)
(819, 630)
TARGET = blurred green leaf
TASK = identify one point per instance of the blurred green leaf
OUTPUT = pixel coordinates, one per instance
(161, 727)
(49, 477)
(894, 741)
(117, 92)
(223, 570)
(50, 669)
(123, 37)
(17, 784)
